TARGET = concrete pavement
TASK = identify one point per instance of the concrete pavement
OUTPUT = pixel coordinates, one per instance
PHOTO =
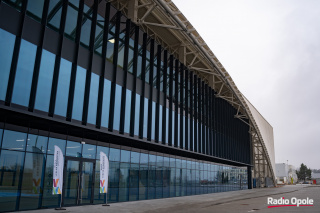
(254, 200)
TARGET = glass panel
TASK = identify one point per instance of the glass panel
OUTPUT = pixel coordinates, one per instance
(71, 21)
(79, 93)
(125, 156)
(37, 143)
(103, 149)
(160, 122)
(45, 81)
(144, 158)
(117, 108)
(114, 175)
(85, 31)
(24, 73)
(86, 183)
(93, 99)
(99, 35)
(110, 44)
(114, 154)
(1, 131)
(121, 48)
(71, 182)
(58, 142)
(139, 61)
(54, 14)
(145, 118)
(105, 103)
(135, 157)
(7, 44)
(137, 115)
(153, 120)
(63, 88)
(143, 182)
(134, 182)
(124, 182)
(128, 111)
(131, 54)
(89, 151)
(32, 182)
(14, 140)
(34, 9)
(73, 149)
(11, 164)
(49, 200)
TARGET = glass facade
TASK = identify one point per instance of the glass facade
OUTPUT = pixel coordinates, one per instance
(43, 76)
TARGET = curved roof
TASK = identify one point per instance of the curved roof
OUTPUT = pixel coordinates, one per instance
(162, 20)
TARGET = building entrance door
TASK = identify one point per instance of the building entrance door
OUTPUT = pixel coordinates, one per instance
(78, 181)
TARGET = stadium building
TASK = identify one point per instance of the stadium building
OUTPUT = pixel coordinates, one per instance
(132, 79)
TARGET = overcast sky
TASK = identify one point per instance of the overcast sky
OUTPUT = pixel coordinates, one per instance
(271, 48)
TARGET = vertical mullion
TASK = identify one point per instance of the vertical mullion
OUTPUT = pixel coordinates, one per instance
(164, 108)
(103, 65)
(36, 69)
(75, 61)
(191, 111)
(195, 102)
(134, 90)
(15, 57)
(207, 123)
(58, 59)
(158, 92)
(143, 77)
(210, 122)
(186, 108)
(170, 100)
(114, 72)
(203, 117)
(151, 89)
(199, 115)
(125, 74)
(176, 131)
(181, 105)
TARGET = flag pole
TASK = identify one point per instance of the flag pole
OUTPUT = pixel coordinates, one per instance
(106, 204)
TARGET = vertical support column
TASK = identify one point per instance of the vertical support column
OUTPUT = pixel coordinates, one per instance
(103, 65)
(195, 104)
(151, 89)
(164, 108)
(125, 75)
(158, 92)
(176, 130)
(203, 117)
(191, 77)
(114, 72)
(207, 119)
(143, 77)
(186, 100)
(181, 105)
(200, 145)
(170, 100)
(134, 90)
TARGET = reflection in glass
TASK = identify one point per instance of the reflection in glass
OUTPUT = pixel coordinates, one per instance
(11, 164)
(33, 179)
(117, 107)
(105, 103)
(6, 43)
(45, 81)
(93, 99)
(127, 112)
(89, 151)
(137, 115)
(79, 93)
(14, 140)
(34, 9)
(73, 149)
(63, 88)
(58, 142)
(37, 143)
(24, 73)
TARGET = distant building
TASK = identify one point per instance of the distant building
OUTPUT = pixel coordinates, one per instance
(282, 172)
(315, 176)
(292, 175)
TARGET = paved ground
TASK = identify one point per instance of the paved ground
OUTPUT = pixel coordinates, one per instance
(238, 201)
